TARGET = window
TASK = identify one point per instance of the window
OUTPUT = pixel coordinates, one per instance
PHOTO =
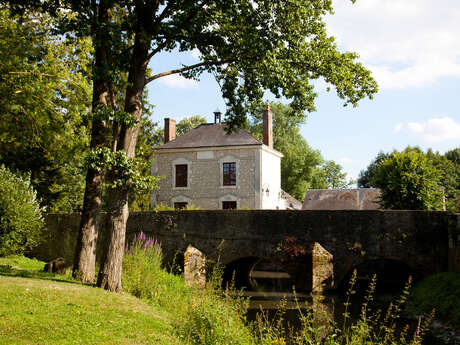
(180, 205)
(229, 174)
(229, 205)
(181, 175)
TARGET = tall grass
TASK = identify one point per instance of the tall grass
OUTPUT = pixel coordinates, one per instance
(212, 316)
(202, 316)
(372, 327)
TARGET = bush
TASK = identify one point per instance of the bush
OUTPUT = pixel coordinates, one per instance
(21, 221)
(440, 292)
(408, 181)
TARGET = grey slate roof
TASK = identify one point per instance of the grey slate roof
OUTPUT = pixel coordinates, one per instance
(211, 135)
(292, 203)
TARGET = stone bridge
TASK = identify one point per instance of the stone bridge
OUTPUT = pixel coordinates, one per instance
(314, 247)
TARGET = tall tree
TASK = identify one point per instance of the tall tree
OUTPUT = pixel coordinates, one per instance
(447, 178)
(249, 45)
(44, 91)
(366, 176)
(408, 180)
(329, 175)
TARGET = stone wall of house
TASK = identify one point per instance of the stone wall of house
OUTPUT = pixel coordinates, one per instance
(205, 187)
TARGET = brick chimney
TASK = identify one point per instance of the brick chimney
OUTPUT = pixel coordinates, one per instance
(268, 127)
(170, 129)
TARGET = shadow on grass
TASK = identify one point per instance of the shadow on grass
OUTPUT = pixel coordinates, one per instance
(6, 270)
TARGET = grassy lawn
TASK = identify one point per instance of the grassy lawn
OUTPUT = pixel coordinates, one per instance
(43, 308)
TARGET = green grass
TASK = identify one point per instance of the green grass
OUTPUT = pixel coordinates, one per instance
(20, 266)
(42, 309)
(22, 263)
(440, 292)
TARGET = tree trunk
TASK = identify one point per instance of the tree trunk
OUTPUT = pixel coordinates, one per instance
(110, 274)
(85, 253)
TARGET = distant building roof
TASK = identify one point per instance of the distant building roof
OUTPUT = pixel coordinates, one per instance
(211, 135)
(291, 202)
(342, 199)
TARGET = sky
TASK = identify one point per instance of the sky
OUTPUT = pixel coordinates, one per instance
(412, 48)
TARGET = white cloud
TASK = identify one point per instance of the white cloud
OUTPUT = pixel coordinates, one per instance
(398, 127)
(406, 43)
(177, 81)
(436, 129)
(345, 160)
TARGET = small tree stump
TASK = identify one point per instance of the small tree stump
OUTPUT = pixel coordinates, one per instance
(58, 265)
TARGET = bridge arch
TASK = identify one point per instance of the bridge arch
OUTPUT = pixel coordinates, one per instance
(392, 274)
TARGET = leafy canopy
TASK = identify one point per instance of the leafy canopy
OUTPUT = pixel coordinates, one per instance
(250, 46)
(408, 180)
(419, 180)
(44, 90)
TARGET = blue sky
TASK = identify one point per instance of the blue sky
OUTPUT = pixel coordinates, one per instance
(412, 48)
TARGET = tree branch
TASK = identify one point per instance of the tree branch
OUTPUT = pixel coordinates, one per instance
(175, 71)
(165, 13)
(184, 23)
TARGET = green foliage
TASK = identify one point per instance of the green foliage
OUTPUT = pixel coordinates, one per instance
(411, 179)
(188, 123)
(129, 171)
(450, 177)
(162, 207)
(329, 175)
(408, 181)
(44, 89)
(22, 263)
(21, 221)
(106, 114)
(191, 207)
(365, 176)
(201, 317)
(250, 46)
(440, 292)
(141, 267)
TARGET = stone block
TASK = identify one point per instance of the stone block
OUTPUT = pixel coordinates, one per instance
(194, 267)
(323, 269)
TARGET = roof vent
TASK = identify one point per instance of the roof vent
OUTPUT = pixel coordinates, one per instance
(217, 116)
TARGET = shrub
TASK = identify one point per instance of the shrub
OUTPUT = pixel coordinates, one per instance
(441, 292)
(21, 221)
(408, 180)
(141, 266)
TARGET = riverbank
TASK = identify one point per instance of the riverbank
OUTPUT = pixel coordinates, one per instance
(43, 308)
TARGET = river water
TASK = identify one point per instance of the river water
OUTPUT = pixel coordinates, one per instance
(268, 298)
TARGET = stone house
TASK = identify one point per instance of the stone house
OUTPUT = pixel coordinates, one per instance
(209, 168)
